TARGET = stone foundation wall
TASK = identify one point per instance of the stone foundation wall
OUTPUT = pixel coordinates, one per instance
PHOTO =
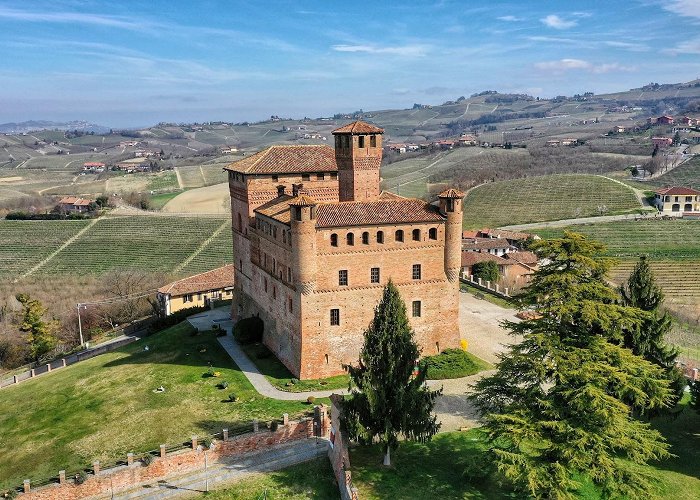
(338, 453)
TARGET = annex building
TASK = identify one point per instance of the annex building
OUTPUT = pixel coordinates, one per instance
(315, 241)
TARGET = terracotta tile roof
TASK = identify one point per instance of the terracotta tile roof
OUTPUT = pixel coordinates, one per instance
(386, 210)
(527, 258)
(277, 209)
(221, 277)
(74, 200)
(677, 191)
(287, 159)
(471, 258)
(358, 127)
(502, 233)
(303, 200)
(484, 243)
(469, 234)
(451, 193)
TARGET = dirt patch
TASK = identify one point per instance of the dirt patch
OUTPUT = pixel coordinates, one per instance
(206, 200)
(9, 179)
(127, 183)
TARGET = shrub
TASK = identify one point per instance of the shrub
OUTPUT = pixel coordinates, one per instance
(311, 400)
(249, 330)
(487, 271)
(294, 381)
(206, 442)
(174, 319)
(451, 363)
(81, 477)
(232, 397)
(222, 385)
(274, 425)
(477, 468)
(148, 459)
(10, 494)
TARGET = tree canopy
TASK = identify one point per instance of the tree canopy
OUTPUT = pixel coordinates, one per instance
(387, 397)
(560, 401)
(41, 334)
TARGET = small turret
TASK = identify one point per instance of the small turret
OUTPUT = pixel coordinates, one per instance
(303, 228)
(451, 207)
(358, 154)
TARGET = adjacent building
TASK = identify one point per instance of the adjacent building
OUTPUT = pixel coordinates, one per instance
(677, 200)
(75, 204)
(315, 241)
(199, 290)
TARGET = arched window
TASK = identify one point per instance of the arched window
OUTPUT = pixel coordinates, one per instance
(334, 240)
(432, 233)
(365, 238)
(351, 239)
(398, 236)
(380, 236)
(416, 235)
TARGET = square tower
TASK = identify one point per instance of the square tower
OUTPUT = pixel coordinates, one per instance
(358, 154)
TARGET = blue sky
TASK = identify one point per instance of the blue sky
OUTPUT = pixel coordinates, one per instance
(131, 63)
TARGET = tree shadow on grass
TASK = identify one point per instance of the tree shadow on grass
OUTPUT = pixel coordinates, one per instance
(683, 434)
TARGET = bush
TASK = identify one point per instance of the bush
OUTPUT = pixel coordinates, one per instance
(148, 459)
(249, 330)
(487, 271)
(206, 442)
(81, 477)
(174, 319)
(477, 468)
(274, 425)
(10, 494)
(294, 381)
(222, 385)
(311, 400)
(232, 397)
(451, 363)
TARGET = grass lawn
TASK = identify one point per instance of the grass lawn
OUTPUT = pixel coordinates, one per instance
(436, 469)
(104, 407)
(311, 480)
(454, 363)
(488, 297)
(158, 201)
(278, 375)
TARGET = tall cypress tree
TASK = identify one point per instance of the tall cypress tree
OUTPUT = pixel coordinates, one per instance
(41, 334)
(387, 398)
(647, 340)
(560, 401)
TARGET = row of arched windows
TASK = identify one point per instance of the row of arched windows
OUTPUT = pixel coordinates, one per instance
(379, 236)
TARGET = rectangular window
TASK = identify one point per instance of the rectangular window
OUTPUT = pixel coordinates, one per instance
(334, 175)
(374, 275)
(290, 304)
(188, 298)
(320, 177)
(373, 141)
(305, 177)
(415, 308)
(275, 178)
(289, 274)
(361, 141)
(335, 317)
(416, 271)
(343, 277)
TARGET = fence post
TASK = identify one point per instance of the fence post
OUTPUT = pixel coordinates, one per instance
(63, 362)
(96, 467)
(162, 451)
(32, 373)
(27, 485)
(225, 433)
(14, 379)
(129, 459)
(61, 477)
(497, 291)
(48, 367)
(285, 419)
(479, 281)
(255, 425)
(194, 442)
(488, 284)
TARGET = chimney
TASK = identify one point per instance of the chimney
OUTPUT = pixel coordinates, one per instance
(280, 190)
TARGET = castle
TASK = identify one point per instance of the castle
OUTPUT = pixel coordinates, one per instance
(315, 242)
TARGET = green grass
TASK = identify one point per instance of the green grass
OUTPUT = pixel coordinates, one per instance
(278, 375)
(163, 181)
(454, 363)
(545, 198)
(158, 201)
(310, 480)
(104, 407)
(687, 175)
(488, 297)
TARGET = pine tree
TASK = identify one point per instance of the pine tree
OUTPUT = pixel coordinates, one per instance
(559, 403)
(41, 335)
(387, 399)
(647, 340)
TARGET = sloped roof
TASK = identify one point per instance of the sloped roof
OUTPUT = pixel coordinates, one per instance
(471, 258)
(677, 191)
(287, 159)
(388, 209)
(358, 127)
(74, 200)
(211, 280)
(527, 258)
(502, 233)
(277, 209)
(303, 200)
(484, 243)
(451, 193)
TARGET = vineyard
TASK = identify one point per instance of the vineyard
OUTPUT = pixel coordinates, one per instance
(687, 174)
(178, 245)
(545, 198)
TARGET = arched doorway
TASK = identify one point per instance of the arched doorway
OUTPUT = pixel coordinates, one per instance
(676, 207)
(688, 207)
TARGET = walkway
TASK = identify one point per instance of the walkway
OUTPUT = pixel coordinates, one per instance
(230, 469)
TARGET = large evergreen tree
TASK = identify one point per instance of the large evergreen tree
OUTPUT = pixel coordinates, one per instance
(387, 398)
(41, 334)
(647, 339)
(559, 403)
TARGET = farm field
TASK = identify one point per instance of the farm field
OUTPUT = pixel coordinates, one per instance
(150, 243)
(545, 198)
(686, 175)
(213, 199)
(105, 407)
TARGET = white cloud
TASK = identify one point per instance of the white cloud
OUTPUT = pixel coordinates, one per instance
(686, 47)
(686, 8)
(556, 22)
(401, 50)
(632, 47)
(510, 19)
(563, 65)
(74, 17)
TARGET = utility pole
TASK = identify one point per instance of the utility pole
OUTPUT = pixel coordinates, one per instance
(80, 327)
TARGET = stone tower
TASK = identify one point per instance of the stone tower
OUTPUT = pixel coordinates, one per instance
(358, 154)
(303, 230)
(451, 207)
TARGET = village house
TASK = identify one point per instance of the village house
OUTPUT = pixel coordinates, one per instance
(199, 290)
(662, 142)
(134, 165)
(315, 242)
(93, 167)
(687, 121)
(75, 204)
(515, 269)
(468, 140)
(513, 237)
(677, 200)
(619, 129)
(494, 246)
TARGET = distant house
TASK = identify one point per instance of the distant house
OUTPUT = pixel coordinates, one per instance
(228, 149)
(665, 120)
(619, 129)
(662, 142)
(687, 121)
(677, 201)
(196, 291)
(494, 246)
(93, 166)
(468, 140)
(514, 269)
(74, 204)
(512, 237)
(134, 165)
(553, 142)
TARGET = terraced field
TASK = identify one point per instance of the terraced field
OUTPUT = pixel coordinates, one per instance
(545, 198)
(687, 175)
(138, 242)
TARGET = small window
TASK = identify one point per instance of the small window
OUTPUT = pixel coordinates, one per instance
(338, 141)
(290, 304)
(373, 141)
(380, 236)
(305, 177)
(265, 285)
(334, 175)
(289, 274)
(346, 141)
(343, 277)
(335, 317)
(334, 240)
(275, 178)
(188, 298)
(398, 236)
(274, 232)
(351, 239)
(365, 238)
(416, 235)
(274, 292)
(416, 271)
(415, 308)
(432, 233)
(361, 141)
(374, 275)
(284, 236)
(320, 177)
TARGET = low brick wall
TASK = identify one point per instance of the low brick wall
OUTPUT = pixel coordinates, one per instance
(338, 453)
(179, 463)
